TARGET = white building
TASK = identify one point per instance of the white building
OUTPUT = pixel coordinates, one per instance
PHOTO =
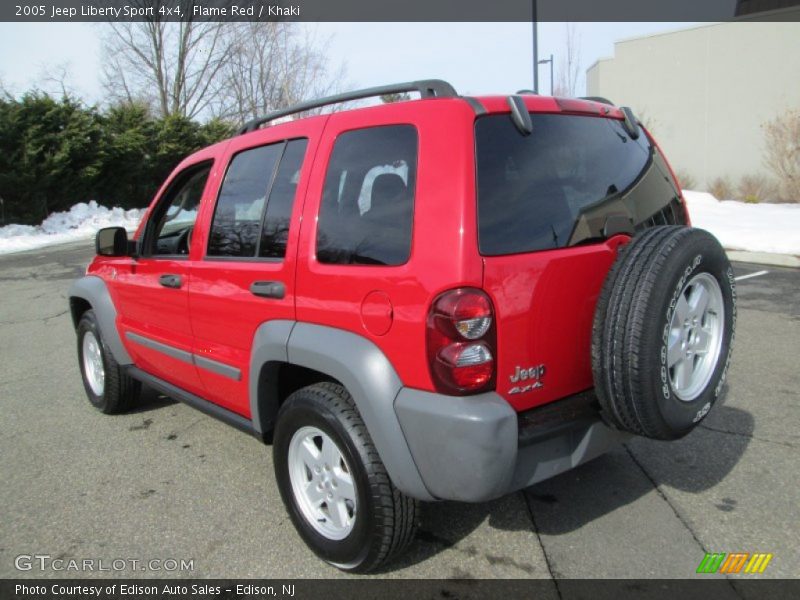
(706, 92)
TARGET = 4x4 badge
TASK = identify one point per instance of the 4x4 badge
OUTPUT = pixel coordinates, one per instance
(532, 374)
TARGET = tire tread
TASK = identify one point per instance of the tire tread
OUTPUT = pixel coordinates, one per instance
(396, 515)
(622, 332)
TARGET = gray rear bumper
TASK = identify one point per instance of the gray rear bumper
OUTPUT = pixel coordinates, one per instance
(476, 448)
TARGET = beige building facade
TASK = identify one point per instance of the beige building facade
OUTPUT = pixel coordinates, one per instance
(706, 92)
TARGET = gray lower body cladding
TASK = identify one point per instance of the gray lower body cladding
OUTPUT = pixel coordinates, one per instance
(93, 290)
(434, 447)
(438, 447)
(477, 448)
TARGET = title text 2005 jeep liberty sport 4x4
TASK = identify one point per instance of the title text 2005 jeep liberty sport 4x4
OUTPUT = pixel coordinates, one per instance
(443, 298)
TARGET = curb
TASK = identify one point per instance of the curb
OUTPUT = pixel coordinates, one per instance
(764, 258)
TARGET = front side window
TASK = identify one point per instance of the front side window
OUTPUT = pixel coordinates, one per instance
(175, 215)
(367, 208)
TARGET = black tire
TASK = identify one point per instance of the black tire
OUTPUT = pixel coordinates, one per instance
(120, 391)
(386, 519)
(630, 338)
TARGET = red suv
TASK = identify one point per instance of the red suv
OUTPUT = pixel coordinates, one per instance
(443, 298)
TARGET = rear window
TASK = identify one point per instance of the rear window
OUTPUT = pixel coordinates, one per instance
(533, 190)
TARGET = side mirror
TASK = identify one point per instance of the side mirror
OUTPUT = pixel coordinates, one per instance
(112, 241)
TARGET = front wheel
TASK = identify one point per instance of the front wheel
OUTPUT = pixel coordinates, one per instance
(333, 483)
(108, 388)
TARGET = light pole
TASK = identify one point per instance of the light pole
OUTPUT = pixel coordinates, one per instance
(544, 62)
(535, 48)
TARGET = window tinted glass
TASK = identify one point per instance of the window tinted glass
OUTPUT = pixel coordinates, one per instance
(176, 214)
(367, 205)
(281, 199)
(240, 206)
(533, 189)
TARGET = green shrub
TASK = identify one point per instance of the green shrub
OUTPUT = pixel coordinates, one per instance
(56, 153)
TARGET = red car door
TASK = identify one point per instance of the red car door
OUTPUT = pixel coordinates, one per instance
(151, 290)
(247, 245)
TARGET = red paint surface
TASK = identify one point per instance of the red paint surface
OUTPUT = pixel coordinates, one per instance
(544, 301)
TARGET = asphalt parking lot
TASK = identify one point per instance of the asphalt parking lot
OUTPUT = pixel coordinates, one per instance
(166, 481)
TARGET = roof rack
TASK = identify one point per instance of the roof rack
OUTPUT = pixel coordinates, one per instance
(599, 99)
(427, 88)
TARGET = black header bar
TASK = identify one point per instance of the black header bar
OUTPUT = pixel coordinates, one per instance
(398, 10)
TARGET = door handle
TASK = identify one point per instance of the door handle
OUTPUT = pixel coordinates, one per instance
(268, 289)
(170, 281)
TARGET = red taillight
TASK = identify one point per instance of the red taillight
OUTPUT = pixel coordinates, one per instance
(461, 342)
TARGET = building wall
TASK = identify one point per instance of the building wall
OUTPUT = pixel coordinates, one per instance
(706, 91)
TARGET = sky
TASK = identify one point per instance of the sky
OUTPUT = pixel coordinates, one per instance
(475, 57)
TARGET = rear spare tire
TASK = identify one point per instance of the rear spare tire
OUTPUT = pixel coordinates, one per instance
(663, 330)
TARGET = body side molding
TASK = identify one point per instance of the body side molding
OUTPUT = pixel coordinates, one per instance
(170, 351)
(94, 290)
(202, 362)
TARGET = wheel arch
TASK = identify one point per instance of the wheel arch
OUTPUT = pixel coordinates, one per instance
(283, 350)
(91, 293)
(78, 306)
(276, 381)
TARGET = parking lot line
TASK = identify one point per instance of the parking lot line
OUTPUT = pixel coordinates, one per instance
(750, 275)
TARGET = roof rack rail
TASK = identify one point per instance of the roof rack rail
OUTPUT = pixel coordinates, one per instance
(531, 92)
(599, 99)
(427, 88)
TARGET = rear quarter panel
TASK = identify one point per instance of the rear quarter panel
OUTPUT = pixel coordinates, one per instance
(443, 246)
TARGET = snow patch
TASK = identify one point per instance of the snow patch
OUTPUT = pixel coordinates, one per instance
(752, 227)
(80, 222)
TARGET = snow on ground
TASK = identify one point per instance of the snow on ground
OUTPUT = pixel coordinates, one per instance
(739, 226)
(753, 227)
(80, 222)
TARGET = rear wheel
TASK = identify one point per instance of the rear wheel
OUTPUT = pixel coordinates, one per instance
(108, 388)
(663, 330)
(333, 483)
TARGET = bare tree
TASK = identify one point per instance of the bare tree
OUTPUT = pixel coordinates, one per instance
(569, 63)
(782, 153)
(174, 67)
(272, 65)
(55, 80)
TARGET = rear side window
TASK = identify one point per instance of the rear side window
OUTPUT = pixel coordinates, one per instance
(367, 208)
(240, 206)
(275, 232)
(255, 202)
(533, 190)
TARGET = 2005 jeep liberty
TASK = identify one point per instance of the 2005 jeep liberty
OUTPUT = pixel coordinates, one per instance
(442, 298)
